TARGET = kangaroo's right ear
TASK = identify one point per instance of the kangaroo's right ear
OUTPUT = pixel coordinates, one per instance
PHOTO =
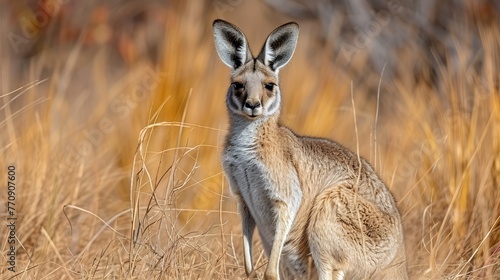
(231, 44)
(279, 46)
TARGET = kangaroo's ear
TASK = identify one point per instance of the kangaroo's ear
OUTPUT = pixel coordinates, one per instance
(279, 46)
(231, 44)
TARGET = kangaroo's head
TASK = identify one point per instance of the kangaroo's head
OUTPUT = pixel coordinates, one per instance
(254, 90)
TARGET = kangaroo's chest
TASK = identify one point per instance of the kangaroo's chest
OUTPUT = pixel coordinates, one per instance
(253, 181)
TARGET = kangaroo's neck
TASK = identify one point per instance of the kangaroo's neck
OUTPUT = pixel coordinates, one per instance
(246, 132)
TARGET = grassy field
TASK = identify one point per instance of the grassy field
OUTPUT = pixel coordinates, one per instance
(113, 116)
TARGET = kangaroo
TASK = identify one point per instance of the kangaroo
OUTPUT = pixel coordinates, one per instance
(321, 211)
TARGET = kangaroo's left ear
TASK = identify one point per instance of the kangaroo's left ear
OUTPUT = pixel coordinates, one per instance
(279, 46)
(231, 44)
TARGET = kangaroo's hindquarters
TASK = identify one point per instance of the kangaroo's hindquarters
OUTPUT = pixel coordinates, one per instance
(348, 235)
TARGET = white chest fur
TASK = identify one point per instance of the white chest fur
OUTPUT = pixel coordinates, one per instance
(250, 179)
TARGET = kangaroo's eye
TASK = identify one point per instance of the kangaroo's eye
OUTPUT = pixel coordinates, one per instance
(238, 86)
(269, 86)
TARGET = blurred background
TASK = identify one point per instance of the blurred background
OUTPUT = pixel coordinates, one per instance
(113, 113)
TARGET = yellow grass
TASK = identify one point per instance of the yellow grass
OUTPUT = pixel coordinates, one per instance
(117, 164)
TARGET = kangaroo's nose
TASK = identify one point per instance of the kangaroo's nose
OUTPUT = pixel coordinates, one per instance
(249, 105)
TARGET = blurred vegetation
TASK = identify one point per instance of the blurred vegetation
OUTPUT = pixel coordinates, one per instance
(113, 113)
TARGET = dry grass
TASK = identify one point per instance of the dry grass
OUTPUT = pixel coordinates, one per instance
(117, 158)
